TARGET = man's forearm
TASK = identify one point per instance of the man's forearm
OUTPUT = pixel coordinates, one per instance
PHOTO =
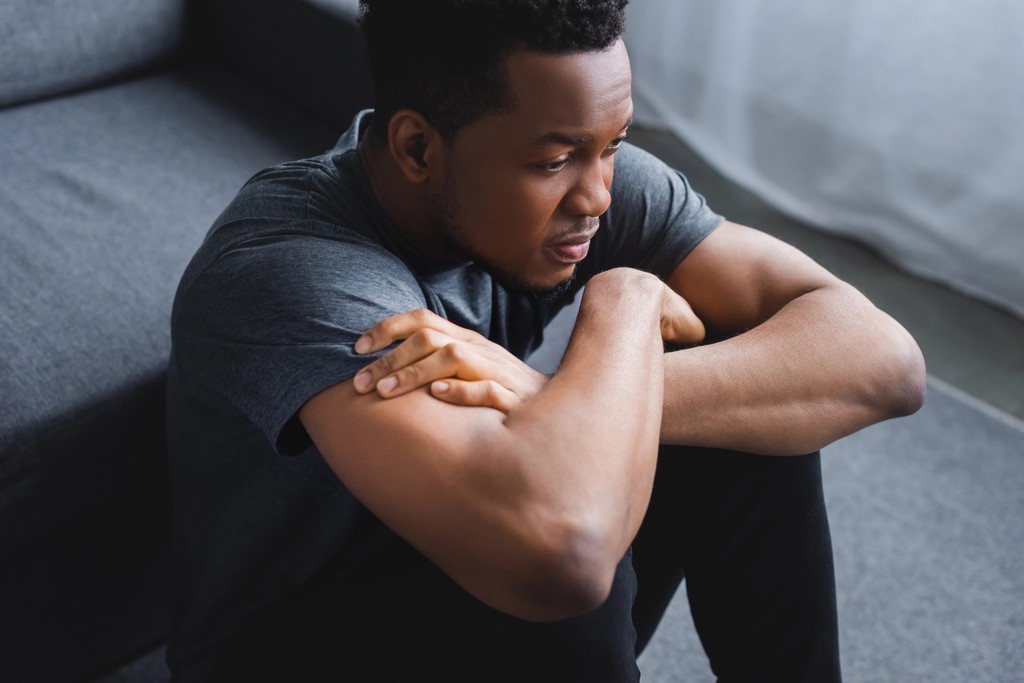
(596, 420)
(825, 365)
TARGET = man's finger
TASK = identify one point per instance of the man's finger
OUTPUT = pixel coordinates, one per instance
(687, 329)
(455, 360)
(482, 394)
(403, 326)
(420, 345)
(679, 324)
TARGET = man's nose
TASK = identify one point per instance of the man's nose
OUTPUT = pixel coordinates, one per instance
(590, 196)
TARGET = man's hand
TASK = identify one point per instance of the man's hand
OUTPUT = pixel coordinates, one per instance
(459, 365)
(679, 324)
(464, 368)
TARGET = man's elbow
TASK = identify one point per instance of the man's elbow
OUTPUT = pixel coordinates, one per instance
(566, 580)
(906, 377)
(552, 598)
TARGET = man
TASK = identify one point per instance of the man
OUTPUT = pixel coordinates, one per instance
(369, 482)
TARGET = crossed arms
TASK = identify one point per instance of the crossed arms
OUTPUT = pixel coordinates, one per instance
(527, 490)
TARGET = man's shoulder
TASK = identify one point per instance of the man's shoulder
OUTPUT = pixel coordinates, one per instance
(318, 186)
(286, 251)
(654, 220)
(304, 215)
(642, 182)
(639, 174)
(282, 301)
(285, 262)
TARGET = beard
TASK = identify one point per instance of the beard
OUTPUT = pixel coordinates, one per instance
(544, 295)
(447, 223)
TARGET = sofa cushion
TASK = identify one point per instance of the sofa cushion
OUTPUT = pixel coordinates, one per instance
(104, 196)
(51, 46)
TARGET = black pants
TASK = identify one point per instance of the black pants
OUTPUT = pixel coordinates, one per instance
(749, 533)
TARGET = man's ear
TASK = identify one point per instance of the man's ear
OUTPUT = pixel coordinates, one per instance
(414, 145)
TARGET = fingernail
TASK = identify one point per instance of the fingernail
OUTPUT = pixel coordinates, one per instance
(439, 387)
(362, 381)
(362, 344)
(387, 384)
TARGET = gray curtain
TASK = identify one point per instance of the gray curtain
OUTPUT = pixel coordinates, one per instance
(899, 123)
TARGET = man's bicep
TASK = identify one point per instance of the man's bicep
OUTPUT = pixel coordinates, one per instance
(428, 470)
(738, 277)
(396, 454)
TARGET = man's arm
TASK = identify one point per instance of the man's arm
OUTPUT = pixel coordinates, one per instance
(531, 509)
(805, 360)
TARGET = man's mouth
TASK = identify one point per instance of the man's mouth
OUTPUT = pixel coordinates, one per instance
(569, 252)
(573, 248)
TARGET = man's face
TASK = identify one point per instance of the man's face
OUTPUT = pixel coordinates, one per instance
(521, 191)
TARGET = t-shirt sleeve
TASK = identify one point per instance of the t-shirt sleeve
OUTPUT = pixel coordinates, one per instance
(272, 322)
(655, 218)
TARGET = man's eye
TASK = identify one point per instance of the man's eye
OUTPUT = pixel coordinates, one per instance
(553, 166)
(617, 142)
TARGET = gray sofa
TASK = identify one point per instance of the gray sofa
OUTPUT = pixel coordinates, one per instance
(125, 127)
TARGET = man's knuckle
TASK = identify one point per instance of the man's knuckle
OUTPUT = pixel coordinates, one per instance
(453, 352)
(431, 339)
(410, 375)
(494, 393)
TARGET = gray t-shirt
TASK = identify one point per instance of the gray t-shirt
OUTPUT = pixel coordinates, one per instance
(298, 266)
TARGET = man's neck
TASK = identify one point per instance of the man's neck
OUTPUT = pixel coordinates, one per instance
(405, 204)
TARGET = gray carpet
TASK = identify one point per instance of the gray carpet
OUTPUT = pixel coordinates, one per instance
(927, 520)
(927, 517)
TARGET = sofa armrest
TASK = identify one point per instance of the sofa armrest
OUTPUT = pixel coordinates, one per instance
(309, 52)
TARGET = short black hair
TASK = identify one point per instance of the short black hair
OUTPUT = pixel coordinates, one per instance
(445, 58)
